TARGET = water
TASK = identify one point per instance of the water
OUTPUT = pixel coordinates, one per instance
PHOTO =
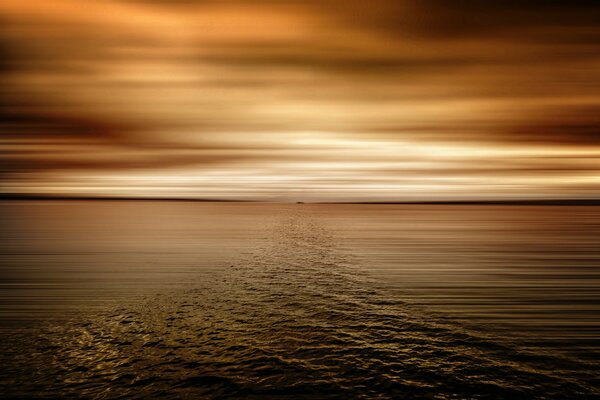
(114, 299)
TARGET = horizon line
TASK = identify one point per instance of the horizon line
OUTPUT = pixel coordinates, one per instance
(540, 201)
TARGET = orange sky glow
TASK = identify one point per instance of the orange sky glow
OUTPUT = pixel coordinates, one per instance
(301, 100)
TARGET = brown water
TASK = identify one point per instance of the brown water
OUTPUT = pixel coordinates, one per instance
(114, 299)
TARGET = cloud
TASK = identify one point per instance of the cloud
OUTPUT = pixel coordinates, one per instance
(274, 88)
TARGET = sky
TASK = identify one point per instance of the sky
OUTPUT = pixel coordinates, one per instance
(379, 100)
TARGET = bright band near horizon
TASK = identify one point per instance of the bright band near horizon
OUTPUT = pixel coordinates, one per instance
(312, 100)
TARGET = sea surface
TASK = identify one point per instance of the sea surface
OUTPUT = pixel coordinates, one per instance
(200, 300)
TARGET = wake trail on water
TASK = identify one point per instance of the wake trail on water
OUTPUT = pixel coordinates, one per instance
(295, 318)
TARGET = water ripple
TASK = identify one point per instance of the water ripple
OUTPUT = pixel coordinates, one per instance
(297, 317)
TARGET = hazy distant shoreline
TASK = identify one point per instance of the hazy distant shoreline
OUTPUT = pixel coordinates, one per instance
(565, 202)
(534, 202)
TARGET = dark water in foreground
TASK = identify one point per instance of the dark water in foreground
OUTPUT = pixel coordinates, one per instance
(103, 300)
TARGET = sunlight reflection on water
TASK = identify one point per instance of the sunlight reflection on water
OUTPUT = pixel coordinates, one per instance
(175, 299)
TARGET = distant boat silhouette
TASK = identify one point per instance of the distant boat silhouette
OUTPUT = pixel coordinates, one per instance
(299, 202)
